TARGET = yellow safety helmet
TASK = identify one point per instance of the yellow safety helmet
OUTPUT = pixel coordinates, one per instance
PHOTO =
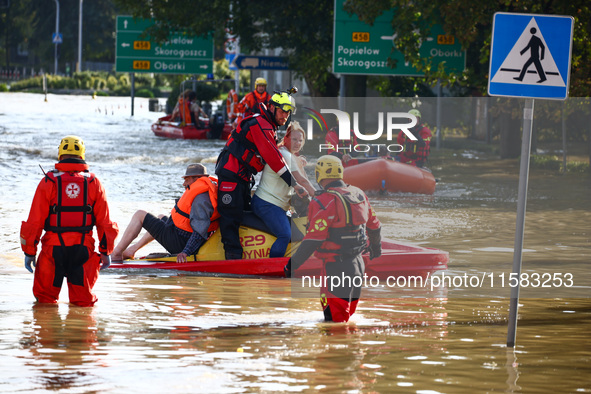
(284, 101)
(71, 145)
(260, 81)
(415, 112)
(329, 167)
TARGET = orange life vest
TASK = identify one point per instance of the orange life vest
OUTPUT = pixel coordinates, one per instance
(181, 213)
(185, 110)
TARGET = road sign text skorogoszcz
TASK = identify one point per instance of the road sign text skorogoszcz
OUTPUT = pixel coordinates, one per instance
(359, 48)
(181, 54)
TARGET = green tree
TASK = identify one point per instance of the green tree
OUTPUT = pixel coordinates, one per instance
(31, 23)
(471, 22)
(15, 28)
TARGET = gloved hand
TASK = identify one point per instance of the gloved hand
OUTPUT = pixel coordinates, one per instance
(375, 251)
(105, 261)
(28, 261)
(287, 269)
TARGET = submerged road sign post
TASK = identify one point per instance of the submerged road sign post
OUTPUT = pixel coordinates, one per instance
(530, 58)
(181, 54)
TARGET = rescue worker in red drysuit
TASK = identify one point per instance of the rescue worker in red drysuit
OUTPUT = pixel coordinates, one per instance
(340, 222)
(250, 146)
(249, 105)
(415, 152)
(343, 149)
(69, 202)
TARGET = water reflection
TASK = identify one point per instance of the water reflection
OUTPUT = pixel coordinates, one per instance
(512, 371)
(60, 346)
(156, 332)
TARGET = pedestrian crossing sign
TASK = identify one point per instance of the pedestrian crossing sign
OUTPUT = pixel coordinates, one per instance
(530, 55)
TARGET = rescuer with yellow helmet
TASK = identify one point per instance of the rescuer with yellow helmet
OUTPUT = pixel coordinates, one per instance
(249, 105)
(340, 223)
(68, 204)
(251, 145)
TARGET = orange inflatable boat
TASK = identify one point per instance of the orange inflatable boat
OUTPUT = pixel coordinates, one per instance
(393, 176)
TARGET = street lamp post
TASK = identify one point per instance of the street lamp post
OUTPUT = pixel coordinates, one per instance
(57, 32)
(79, 64)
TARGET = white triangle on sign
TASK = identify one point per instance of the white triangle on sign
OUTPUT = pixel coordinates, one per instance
(513, 64)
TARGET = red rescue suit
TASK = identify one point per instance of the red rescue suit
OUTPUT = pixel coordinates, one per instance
(249, 105)
(68, 203)
(249, 147)
(181, 213)
(340, 222)
(415, 152)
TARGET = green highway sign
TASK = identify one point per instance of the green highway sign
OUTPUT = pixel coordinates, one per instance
(181, 54)
(359, 48)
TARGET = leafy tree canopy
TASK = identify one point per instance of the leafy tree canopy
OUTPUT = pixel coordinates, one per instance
(471, 22)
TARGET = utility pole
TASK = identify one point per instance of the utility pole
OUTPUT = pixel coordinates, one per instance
(57, 32)
(79, 64)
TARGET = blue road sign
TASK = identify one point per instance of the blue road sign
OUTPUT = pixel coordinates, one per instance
(230, 58)
(530, 55)
(261, 62)
(57, 38)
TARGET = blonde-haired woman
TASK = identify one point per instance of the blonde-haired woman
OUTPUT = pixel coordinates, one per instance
(272, 197)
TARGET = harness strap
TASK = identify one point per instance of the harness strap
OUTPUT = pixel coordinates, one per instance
(180, 212)
(58, 208)
(346, 205)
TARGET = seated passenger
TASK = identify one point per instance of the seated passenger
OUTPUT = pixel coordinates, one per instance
(272, 197)
(182, 109)
(192, 219)
(196, 111)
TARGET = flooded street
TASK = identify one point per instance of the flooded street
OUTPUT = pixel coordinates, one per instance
(154, 332)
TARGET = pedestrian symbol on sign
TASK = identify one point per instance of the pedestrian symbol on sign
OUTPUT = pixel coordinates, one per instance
(535, 45)
(544, 72)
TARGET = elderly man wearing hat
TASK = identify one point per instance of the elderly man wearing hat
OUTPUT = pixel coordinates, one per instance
(192, 219)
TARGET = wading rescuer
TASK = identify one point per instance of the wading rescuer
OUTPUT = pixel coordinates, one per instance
(249, 105)
(250, 146)
(69, 202)
(340, 221)
(415, 152)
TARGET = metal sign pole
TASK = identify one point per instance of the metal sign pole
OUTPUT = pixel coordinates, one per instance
(79, 64)
(57, 32)
(132, 91)
(528, 112)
